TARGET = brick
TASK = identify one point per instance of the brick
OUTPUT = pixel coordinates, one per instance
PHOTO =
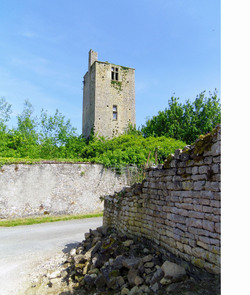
(217, 227)
(184, 156)
(212, 217)
(173, 163)
(187, 249)
(188, 200)
(166, 209)
(189, 170)
(187, 185)
(215, 242)
(199, 185)
(195, 170)
(216, 177)
(175, 199)
(181, 171)
(179, 246)
(184, 256)
(186, 206)
(198, 208)
(198, 231)
(176, 178)
(207, 209)
(208, 225)
(207, 153)
(193, 222)
(215, 149)
(169, 171)
(194, 214)
(172, 242)
(192, 243)
(207, 195)
(181, 164)
(204, 201)
(217, 159)
(170, 185)
(217, 211)
(202, 245)
(216, 196)
(208, 160)
(189, 235)
(204, 239)
(199, 252)
(215, 203)
(178, 232)
(215, 168)
(182, 227)
(185, 194)
(156, 173)
(203, 169)
(199, 177)
(212, 186)
(199, 161)
(213, 258)
(212, 268)
(177, 218)
(190, 163)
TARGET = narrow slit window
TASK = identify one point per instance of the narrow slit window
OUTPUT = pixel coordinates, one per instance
(114, 112)
(114, 74)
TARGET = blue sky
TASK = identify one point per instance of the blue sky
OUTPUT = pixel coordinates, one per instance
(174, 45)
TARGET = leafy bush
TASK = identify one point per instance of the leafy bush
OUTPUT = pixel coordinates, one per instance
(185, 121)
(130, 149)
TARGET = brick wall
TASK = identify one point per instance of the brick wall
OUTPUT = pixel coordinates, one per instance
(177, 206)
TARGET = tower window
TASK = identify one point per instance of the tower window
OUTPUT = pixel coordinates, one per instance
(114, 112)
(114, 73)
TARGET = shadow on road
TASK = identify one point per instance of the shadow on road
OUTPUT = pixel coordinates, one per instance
(69, 247)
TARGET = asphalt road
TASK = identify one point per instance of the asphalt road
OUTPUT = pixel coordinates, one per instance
(24, 248)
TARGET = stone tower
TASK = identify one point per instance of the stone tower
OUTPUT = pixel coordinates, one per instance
(108, 98)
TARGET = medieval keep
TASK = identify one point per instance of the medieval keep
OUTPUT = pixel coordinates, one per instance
(108, 98)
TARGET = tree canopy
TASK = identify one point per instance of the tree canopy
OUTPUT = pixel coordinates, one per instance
(185, 121)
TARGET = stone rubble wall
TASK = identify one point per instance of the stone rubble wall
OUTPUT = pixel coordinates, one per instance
(55, 189)
(178, 204)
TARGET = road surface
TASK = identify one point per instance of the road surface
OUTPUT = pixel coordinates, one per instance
(24, 248)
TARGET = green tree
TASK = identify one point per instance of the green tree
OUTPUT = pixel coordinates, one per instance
(5, 112)
(55, 129)
(27, 123)
(185, 121)
(24, 139)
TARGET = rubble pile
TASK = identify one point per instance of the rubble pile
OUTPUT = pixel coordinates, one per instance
(108, 263)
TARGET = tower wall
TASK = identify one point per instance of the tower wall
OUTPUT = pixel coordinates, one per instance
(108, 99)
(88, 113)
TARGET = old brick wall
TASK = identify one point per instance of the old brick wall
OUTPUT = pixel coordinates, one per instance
(178, 205)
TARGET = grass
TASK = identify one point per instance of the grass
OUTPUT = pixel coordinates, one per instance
(43, 219)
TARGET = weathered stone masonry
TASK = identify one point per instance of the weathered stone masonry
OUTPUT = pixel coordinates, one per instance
(55, 189)
(178, 204)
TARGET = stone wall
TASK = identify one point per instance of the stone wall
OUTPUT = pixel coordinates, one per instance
(103, 95)
(177, 206)
(31, 190)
